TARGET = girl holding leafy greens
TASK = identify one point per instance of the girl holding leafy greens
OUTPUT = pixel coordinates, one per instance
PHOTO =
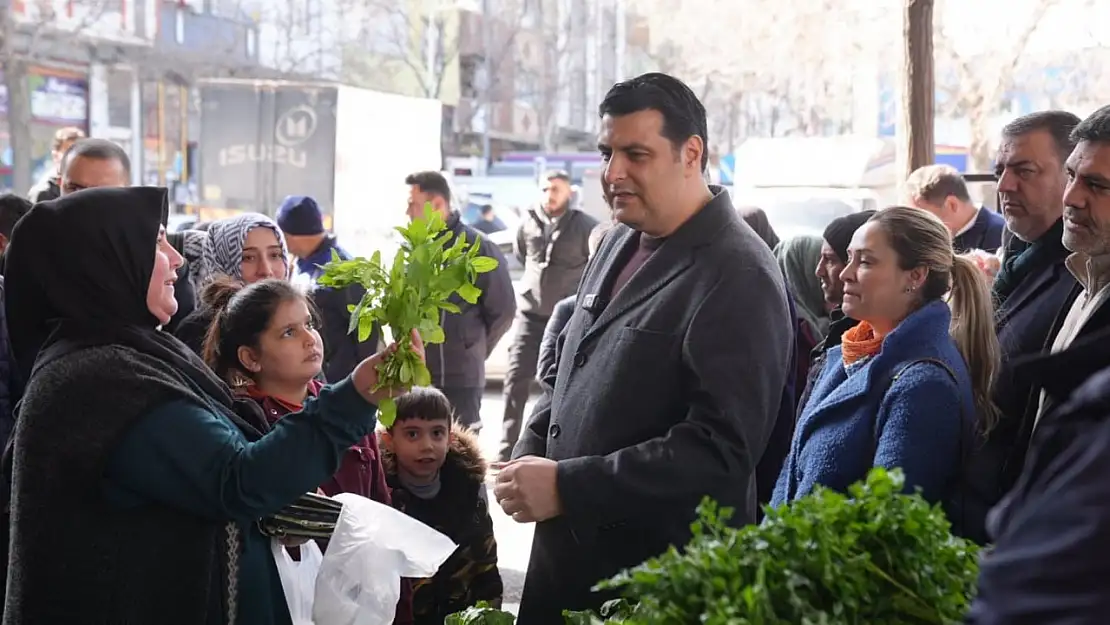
(137, 482)
(909, 386)
(265, 344)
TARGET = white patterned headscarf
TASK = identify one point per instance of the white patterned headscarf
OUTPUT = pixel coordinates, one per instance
(222, 249)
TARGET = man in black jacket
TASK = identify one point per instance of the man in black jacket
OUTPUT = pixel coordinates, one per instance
(1032, 287)
(458, 365)
(552, 244)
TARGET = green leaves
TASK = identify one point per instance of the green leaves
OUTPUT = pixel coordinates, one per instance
(412, 293)
(481, 614)
(873, 556)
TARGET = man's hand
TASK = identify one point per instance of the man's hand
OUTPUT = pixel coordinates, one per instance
(527, 489)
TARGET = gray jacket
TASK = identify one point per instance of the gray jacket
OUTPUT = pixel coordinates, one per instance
(553, 255)
(665, 394)
(460, 361)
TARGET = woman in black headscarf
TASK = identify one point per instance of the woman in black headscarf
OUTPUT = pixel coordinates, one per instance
(136, 483)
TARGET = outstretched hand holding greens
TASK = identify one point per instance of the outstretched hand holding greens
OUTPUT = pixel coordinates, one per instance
(410, 295)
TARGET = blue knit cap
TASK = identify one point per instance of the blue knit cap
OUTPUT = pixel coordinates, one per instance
(300, 215)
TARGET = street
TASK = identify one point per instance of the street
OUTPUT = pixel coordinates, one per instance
(514, 540)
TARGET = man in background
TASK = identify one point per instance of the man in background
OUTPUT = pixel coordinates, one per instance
(458, 365)
(90, 163)
(488, 223)
(941, 190)
(553, 245)
(48, 188)
(302, 222)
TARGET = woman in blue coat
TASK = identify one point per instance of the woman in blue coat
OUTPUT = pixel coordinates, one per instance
(909, 386)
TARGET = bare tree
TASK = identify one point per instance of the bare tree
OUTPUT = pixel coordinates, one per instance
(975, 81)
(303, 38)
(768, 68)
(28, 36)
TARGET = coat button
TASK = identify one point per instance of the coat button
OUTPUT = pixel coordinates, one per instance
(580, 359)
(554, 430)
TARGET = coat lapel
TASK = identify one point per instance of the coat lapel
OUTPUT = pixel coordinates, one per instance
(666, 264)
(848, 387)
(1018, 300)
(675, 256)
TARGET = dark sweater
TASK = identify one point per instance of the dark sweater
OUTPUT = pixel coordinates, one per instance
(149, 498)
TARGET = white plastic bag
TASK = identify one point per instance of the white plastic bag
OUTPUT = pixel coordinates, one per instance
(298, 579)
(373, 547)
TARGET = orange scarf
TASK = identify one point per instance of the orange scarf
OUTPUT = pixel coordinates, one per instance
(860, 342)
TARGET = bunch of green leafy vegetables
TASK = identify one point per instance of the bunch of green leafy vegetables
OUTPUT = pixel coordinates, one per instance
(410, 295)
(481, 614)
(875, 557)
(872, 557)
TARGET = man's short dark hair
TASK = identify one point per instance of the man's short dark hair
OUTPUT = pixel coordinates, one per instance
(1059, 124)
(934, 183)
(487, 209)
(97, 150)
(683, 114)
(431, 182)
(1094, 129)
(12, 208)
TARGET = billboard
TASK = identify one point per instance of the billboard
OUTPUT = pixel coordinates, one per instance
(262, 141)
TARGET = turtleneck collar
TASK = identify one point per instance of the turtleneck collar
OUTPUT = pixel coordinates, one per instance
(421, 491)
(1092, 272)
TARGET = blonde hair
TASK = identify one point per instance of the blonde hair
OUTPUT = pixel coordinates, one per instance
(919, 239)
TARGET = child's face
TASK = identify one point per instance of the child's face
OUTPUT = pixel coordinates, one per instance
(421, 446)
(290, 350)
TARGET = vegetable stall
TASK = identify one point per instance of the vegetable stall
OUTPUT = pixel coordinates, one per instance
(873, 556)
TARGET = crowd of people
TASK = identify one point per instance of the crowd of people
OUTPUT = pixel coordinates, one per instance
(161, 392)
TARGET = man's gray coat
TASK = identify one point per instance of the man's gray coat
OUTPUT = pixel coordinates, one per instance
(663, 395)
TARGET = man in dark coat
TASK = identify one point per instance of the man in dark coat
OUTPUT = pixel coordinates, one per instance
(302, 223)
(1032, 287)
(552, 244)
(664, 394)
(458, 365)
(942, 191)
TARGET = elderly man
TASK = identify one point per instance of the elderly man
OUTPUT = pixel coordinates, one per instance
(662, 394)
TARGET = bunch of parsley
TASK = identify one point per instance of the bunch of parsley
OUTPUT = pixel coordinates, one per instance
(410, 294)
(874, 557)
